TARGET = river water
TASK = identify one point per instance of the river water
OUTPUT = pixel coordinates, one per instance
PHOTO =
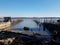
(32, 27)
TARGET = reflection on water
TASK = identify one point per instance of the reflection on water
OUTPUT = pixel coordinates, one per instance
(32, 27)
(26, 23)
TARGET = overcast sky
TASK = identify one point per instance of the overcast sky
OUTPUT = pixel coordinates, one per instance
(30, 8)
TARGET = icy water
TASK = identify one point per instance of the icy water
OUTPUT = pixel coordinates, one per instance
(32, 27)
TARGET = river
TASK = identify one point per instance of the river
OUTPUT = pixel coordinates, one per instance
(32, 27)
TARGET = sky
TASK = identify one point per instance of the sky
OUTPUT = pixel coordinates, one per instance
(30, 8)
